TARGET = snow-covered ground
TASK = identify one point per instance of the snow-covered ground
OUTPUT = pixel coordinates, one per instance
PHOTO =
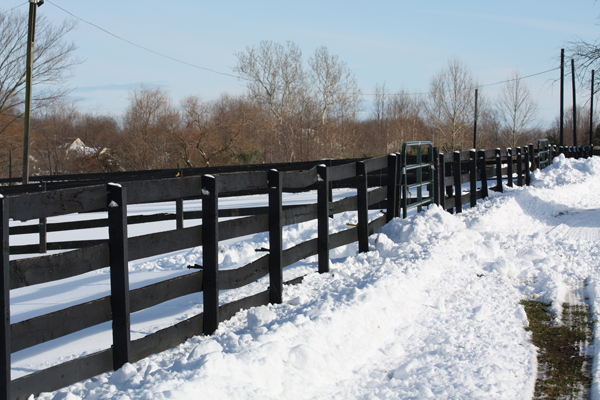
(432, 311)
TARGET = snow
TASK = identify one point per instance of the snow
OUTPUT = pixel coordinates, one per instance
(431, 311)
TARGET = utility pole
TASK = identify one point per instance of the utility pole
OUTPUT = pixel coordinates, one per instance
(574, 104)
(592, 111)
(28, 81)
(562, 96)
(475, 124)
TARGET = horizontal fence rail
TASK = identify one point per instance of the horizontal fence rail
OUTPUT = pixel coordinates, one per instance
(380, 183)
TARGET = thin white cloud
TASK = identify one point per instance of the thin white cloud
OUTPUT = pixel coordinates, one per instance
(359, 39)
(119, 87)
(538, 23)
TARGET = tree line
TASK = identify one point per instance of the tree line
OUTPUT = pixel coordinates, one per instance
(294, 108)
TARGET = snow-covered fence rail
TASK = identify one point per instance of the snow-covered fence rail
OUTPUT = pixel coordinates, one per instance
(452, 171)
(39, 183)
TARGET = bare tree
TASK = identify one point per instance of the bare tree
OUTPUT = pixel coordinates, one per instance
(450, 109)
(587, 57)
(583, 127)
(148, 123)
(333, 84)
(517, 111)
(380, 115)
(101, 134)
(53, 130)
(11, 144)
(53, 62)
(276, 80)
(211, 131)
(488, 124)
(335, 96)
(304, 113)
(195, 117)
(405, 119)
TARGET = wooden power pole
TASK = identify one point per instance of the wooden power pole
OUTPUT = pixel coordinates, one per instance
(33, 4)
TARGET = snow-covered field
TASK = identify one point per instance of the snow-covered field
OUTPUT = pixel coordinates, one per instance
(432, 311)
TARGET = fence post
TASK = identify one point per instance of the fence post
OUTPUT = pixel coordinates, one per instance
(498, 153)
(483, 173)
(392, 189)
(528, 157)
(42, 225)
(210, 253)
(179, 213)
(404, 191)
(399, 178)
(119, 274)
(363, 207)
(535, 161)
(330, 198)
(450, 189)
(519, 167)
(473, 177)
(509, 159)
(532, 164)
(5, 302)
(442, 183)
(323, 219)
(275, 237)
(457, 183)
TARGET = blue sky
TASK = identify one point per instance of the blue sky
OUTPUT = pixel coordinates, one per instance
(401, 43)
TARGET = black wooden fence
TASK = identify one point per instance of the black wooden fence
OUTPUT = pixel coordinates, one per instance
(12, 186)
(452, 171)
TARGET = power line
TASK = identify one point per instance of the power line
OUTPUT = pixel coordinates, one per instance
(15, 7)
(476, 87)
(238, 77)
(142, 47)
(519, 78)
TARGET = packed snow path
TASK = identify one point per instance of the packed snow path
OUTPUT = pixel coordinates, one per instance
(432, 311)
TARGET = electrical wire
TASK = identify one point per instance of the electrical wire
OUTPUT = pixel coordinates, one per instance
(142, 47)
(238, 77)
(476, 87)
(519, 78)
(15, 7)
